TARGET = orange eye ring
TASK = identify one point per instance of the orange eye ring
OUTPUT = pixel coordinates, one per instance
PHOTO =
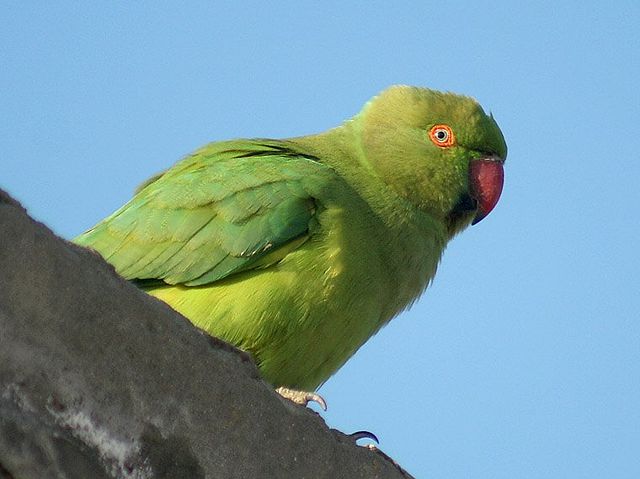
(442, 136)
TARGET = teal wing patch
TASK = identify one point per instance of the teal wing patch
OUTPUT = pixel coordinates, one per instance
(215, 213)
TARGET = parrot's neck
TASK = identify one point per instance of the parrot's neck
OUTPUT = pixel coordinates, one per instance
(341, 149)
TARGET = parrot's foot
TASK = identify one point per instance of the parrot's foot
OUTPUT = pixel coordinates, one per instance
(301, 397)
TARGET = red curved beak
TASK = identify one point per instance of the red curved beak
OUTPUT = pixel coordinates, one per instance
(486, 178)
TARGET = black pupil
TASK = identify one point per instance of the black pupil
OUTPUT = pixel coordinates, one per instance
(441, 134)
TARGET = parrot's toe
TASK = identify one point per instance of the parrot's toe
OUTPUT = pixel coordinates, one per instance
(302, 397)
(365, 435)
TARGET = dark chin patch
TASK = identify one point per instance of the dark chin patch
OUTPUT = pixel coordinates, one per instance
(462, 212)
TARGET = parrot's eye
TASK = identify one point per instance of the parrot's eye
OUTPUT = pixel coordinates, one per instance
(442, 136)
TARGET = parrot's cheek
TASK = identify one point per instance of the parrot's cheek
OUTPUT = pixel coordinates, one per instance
(486, 179)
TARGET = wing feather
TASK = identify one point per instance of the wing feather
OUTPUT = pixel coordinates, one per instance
(217, 212)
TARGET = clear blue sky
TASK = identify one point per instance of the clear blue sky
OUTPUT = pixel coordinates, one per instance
(523, 358)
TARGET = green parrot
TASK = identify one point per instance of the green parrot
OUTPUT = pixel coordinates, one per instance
(299, 250)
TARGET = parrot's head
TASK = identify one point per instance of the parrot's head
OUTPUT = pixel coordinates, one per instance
(440, 151)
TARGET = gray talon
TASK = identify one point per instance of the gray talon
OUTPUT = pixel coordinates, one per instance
(302, 397)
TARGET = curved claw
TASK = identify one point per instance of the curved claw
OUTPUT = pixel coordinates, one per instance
(302, 397)
(364, 435)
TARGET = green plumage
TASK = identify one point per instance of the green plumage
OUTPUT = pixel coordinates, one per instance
(299, 250)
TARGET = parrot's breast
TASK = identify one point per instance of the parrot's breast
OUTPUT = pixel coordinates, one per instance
(303, 317)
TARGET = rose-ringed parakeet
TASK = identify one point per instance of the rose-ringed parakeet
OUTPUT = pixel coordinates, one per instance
(299, 250)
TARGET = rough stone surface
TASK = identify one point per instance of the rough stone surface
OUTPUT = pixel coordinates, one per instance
(99, 380)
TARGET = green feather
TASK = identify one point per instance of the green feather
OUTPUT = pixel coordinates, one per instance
(299, 250)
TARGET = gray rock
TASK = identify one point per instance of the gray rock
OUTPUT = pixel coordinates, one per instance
(99, 380)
